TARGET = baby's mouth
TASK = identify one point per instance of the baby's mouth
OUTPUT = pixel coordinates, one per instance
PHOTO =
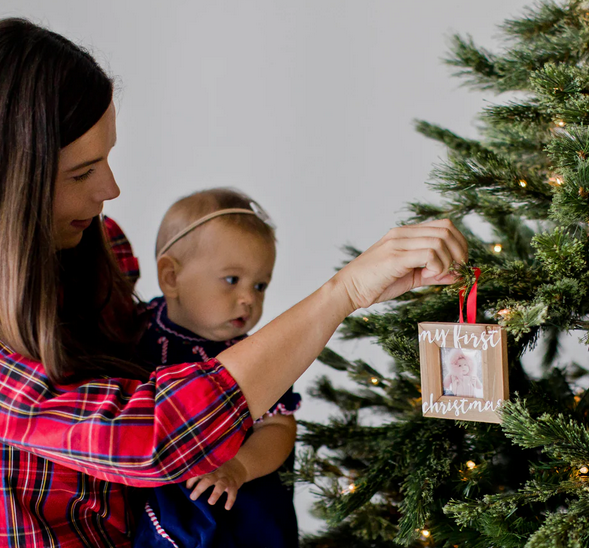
(239, 322)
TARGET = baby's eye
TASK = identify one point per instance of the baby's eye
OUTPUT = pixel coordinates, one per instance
(84, 176)
(231, 280)
(261, 287)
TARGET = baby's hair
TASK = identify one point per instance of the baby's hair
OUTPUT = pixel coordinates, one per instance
(191, 208)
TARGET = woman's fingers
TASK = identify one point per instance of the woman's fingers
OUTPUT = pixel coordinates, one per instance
(449, 224)
(442, 255)
(456, 234)
(405, 258)
(442, 238)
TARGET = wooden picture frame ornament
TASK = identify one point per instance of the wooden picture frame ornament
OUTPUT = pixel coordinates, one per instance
(489, 339)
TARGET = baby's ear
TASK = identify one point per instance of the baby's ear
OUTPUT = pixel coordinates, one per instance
(167, 276)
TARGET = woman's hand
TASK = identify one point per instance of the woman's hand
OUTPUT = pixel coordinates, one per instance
(406, 257)
(228, 478)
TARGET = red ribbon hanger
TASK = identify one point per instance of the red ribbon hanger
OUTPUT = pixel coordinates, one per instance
(471, 303)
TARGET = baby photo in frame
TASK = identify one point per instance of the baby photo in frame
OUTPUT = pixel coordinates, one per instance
(463, 370)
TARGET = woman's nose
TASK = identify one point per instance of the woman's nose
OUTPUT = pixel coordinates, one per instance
(107, 187)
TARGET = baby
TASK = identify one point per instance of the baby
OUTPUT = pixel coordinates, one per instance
(462, 379)
(215, 256)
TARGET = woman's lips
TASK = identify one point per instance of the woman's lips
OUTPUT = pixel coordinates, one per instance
(81, 225)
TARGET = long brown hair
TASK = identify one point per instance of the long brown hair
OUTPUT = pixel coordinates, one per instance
(73, 310)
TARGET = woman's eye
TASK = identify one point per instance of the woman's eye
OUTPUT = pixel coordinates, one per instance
(232, 280)
(84, 176)
(261, 287)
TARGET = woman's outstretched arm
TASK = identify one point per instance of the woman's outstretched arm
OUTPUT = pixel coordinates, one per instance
(268, 362)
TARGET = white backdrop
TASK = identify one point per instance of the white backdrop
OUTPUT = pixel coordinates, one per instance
(307, 105)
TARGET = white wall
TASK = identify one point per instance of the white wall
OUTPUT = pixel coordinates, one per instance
(306, 105)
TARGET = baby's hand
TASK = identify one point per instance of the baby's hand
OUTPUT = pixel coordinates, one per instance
(228, 478)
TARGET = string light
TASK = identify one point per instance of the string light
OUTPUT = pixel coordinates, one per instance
(523, 183)
(583, 193)
(351, 487)
(583, 470)
(425, 533)
(471, 465)
(365, 318)
(560, 123)
(374, 380)
(555, 181)
(497, 248)
(504, 312)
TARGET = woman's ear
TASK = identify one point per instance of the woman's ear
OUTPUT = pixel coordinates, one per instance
(167, 276)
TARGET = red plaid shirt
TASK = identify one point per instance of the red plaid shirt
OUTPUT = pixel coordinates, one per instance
(70, 454)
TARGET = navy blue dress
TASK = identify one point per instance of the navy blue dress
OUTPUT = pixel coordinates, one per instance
(263, 514)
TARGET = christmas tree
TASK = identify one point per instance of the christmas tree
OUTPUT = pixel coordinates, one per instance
(415, 481)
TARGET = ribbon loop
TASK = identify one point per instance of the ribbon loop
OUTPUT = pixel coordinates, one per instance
(471, 303)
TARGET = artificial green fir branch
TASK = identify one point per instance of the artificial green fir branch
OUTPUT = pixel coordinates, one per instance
(404, 350)
(515, 235)
(344, 433)
(570, 147)
(466, 147)
(561, 253)
(461, 175)
(564, 529)
(523, 114)
(333, 359)
(477, 65)
(346, 400)
(558, 436)
(542, 19)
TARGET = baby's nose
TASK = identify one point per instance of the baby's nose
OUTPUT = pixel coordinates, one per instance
(247, 297)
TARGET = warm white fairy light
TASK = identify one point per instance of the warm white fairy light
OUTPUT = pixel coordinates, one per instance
(471, 465)
(374, 380)
(555, 181)
(365, 318)
(583, 470)
(560, 123)
(523, 183)
(504, 312)
(351, 488)
(425, 533)
(497, 248)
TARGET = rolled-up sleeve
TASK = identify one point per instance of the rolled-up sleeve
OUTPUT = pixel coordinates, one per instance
(186, 420)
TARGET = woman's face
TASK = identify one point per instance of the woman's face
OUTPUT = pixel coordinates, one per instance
(84, 181)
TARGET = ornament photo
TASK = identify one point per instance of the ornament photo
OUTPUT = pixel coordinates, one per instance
(463, 367)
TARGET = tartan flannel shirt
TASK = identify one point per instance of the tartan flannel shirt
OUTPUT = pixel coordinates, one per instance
(71, 455)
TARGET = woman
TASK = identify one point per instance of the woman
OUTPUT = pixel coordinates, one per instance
(81, 423)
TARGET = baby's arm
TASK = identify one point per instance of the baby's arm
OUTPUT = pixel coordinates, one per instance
(262, 453)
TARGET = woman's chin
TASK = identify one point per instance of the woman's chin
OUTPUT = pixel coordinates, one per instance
(69, 241)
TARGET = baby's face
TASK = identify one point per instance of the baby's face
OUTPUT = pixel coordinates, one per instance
(221, 287)
(463, 364)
